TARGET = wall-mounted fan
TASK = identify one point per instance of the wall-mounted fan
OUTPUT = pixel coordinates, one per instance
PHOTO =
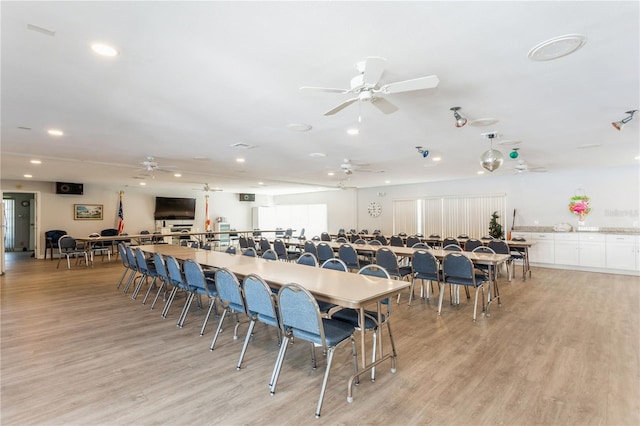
(366, 88)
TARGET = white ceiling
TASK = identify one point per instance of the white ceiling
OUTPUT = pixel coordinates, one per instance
(194, 78)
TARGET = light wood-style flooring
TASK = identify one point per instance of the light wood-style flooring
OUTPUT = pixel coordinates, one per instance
(563, 349)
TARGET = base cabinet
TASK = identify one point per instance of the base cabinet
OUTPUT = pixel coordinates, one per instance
(593, 250)
(567, 249)
(623, 252)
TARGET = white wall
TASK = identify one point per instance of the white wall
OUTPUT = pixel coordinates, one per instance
(56, 211)
(540, 199)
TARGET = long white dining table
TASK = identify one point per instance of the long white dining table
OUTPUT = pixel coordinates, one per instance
(343, 289)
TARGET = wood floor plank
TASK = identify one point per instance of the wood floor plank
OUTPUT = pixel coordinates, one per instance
(563, 349)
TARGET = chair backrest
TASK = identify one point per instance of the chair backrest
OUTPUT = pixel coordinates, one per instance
(483, 249)
(251, 242)
(242, 240)
(94, 235)
(324, 252)
(360, 241)
(141, 261)
(257, 232)
(449, 241)
(194, 244)
(280, 249)
(325, 236)
(424, 263)
(388, 260)
(184, 243)
(349, 256)
(309, 247)
(499, 246)
(230, 249)
(279, 232)
(145, 240)
(463, 236)
(315, 238)
(229, 290)
(335, 264)
(375, 243)
(109, 232)
(352, 231)
(308, 259)
(131, 257)
(123, 255)
(264, 244)
(288, 233)
(421, 246)
(260, 300)
(396, 241)
(382, 239)
(520, 239)
(251, 252)
(161, 267)
(452, 247)
(458, 269)
(270, 255)
(173, 271)
(374, 271)
(53, 236)
(299, 313)
(207, 246)
(471, 244)
(434, 236)
(412, 240)
(364, 231)
(194, 277)
(342, 240)
(66, 243)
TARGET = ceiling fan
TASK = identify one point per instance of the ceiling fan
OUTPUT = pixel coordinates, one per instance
(207, 188)
(348, 167)
(151, 165)
(366, 88)
(523, 167)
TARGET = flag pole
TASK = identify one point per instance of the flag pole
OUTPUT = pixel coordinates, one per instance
(120, 225)
(207, 221)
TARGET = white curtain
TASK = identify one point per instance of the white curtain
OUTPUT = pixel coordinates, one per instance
(451, 216)
(9, 213)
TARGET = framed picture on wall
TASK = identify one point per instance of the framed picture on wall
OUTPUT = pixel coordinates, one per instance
(87, 211)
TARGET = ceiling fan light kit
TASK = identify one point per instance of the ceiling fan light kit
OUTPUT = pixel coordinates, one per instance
(618, 125)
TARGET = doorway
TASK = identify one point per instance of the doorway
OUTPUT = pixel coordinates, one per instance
(19, 221)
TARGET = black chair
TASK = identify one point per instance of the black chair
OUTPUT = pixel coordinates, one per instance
(51, 241)
(425, 268)
(459, 270)
(281, 250)
(309, 247)
(412, 240)
(520, 255)
(501, 247)
(325, 236)
(471, 244)
(382, 239)
(349, 256)
(324, 252)
(68, 248)
(109, 232)
(396, 241)
(264, 244)
(450, 241)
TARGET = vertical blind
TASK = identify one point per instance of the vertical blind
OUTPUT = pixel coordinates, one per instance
(448, 216)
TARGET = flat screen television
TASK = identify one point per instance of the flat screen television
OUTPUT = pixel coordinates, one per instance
(168, 208)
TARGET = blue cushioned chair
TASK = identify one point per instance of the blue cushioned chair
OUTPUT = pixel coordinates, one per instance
(270, 255)
(458, 270)
(199, 285)
(300, 318)
(307, 259)
(425, 268)
(324, 252)
(231, 299)
(51, 241)
(147, 269)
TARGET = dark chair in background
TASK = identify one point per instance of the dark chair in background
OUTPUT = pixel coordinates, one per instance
(51, 241)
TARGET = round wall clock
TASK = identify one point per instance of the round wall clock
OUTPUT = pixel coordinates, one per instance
(374, 209)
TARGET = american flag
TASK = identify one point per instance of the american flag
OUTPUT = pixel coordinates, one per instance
(120, 216)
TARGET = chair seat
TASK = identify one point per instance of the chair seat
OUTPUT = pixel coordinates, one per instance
(480, 279)
(425, 276)
(334, 333)
(351, 316)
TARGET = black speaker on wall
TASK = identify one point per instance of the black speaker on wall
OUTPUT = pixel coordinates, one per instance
(247, 197)
(69, 188)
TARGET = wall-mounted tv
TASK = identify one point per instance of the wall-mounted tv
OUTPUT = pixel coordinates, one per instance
(168, 208)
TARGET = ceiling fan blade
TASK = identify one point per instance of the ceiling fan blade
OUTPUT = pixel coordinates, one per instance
(384, 105)
(409, 85)
(373, 69)
(341, 106)
(325, 89)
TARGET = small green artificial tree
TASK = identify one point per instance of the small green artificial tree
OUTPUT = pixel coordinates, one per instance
(495, 229)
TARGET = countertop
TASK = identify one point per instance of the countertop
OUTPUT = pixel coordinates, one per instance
(599, 230)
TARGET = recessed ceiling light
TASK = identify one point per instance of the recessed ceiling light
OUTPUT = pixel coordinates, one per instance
(481, 122)
(260, 183)
(353, 132)
(588, 146)
(331, 174)
(557, 47)
(143, 183)
(480, 172)
(177, 175)
(299, 127)
(317, 154)
(638, 157)
(28, 176)
(36, 162)
(55, 132)
(104, 50)
(436, 159)
(239, 160)
(387, 181)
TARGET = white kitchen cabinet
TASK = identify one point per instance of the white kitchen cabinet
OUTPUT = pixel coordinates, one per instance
(542, 249)
(567, 249)
(592, 250)
(623, 252)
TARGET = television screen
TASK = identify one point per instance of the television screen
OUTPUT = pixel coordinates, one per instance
(175, 208)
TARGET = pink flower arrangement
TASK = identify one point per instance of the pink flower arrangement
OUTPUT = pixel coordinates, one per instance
(579, 205)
